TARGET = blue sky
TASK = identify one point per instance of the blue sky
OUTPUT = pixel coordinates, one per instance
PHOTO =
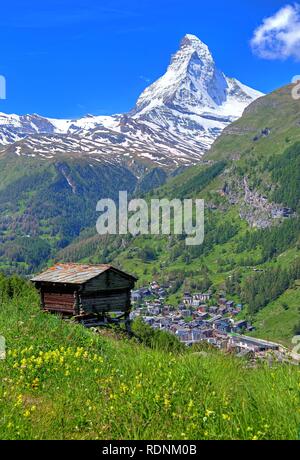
(66, 58)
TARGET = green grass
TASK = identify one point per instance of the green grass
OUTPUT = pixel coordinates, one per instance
(277, 321)
(278, 112)
(61, 381)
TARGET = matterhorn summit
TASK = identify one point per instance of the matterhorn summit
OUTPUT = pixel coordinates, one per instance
(192, 79)
(194, 98)
(175, 120)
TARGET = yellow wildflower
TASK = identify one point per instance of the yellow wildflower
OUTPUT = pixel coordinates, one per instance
(190, 405)
(167, 402)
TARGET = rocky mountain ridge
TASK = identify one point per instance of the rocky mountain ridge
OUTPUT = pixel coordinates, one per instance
(175, 120)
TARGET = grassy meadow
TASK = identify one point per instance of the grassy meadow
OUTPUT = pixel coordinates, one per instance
(62, 381)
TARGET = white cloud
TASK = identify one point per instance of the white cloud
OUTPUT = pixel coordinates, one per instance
(278, 37)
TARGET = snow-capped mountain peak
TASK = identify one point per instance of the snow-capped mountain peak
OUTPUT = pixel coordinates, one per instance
(194, 99)
(190, 46)
(174, 122)
(190, 40)
(193, 83)
(190, 79)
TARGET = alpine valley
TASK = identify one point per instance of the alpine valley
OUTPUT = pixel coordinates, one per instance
(53, 172)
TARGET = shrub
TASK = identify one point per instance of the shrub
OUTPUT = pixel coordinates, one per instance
(156, 339)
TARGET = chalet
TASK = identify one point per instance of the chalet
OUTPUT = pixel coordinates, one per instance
(163, 323)
(145, 292)
(206, 332)
(222, 311)
(214, 318)
(154, 286)
(229, 304)
(240, 325)
(222, 301)
(202, 315)
(234, 312)
(187, 299)
(196, 303)
(183, 335)
(202, 297)
(156, 303)
(77, 290)
(136, 296)
(153, 311)
(149, 320)
(186, 313)
(222, 326)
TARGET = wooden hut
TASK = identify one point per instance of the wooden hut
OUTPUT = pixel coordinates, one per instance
(83, 290)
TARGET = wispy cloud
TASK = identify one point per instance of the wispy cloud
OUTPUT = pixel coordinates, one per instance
(278, 37)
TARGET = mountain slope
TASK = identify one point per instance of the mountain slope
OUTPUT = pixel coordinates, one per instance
(45, 204)
(264, 159)
(268, 125)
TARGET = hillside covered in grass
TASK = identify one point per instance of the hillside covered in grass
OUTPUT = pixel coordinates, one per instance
(61, 381)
